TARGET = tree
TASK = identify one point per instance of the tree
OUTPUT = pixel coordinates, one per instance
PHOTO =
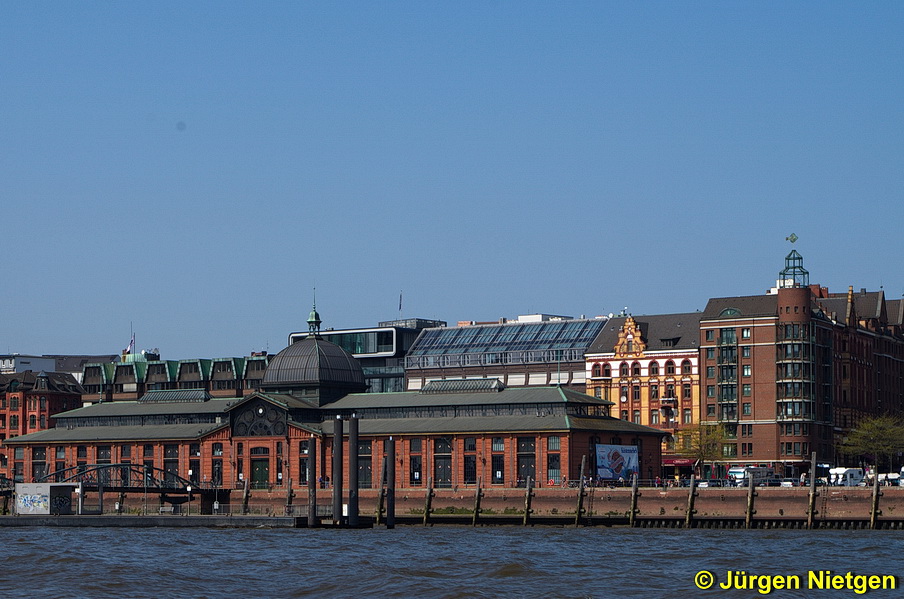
(874, 438)
(704, 442)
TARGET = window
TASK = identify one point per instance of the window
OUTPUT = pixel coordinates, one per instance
(635, 393)
(470, 444)
(745, 389)
(607, 371)
(686, 390)
(498, 444)
(710, 372)
(745, 333)
(686, 367)
(710, 409)
(710, 335)
(623, 369)
(597, 370)
(729, 450)
(635, 369)
(148, 451)
(710, 353)
(654, 416)
(746, 408)
(670, 367)
(710, 390)
(745, 351)
(654, 368)
(654, 391)
(554, 443)
(218, 448)
(443, 445)
(498, 465)
(687, 416)
(636, 417)
(745, 370)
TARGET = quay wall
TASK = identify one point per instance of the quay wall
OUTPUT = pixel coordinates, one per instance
(672, 506)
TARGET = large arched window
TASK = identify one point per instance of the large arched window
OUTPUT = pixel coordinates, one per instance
(635, 369)
(654, 368)
(686, 367)
(607, 370)
(624, 370)
(597, 371)
(670, 367)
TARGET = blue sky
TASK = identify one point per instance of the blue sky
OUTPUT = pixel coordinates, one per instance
(193, 170)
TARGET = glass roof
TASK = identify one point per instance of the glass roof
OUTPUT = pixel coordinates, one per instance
(565, 334)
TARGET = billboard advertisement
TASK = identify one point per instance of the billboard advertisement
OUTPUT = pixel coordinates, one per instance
(616, 461)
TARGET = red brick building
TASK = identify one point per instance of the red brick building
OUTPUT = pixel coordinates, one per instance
(791, 372)
(451, 432)
(29, 403)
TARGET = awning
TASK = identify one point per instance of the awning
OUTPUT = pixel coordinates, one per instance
(678, 461)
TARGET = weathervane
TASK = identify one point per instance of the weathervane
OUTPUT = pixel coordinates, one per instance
(792, 238)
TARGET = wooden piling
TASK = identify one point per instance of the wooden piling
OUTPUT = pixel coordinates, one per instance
(632, 516)
(751, 493)
(313, 522)
(580, 507)
(428, 501)
(811, 500)
(874, 511)
(692, 492)
(528, 494)
(477, 495)
(390, 483)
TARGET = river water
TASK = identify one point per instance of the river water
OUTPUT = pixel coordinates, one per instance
(448, 562)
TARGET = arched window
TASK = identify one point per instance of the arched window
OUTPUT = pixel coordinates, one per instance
(623, 369)
(635, 369)
(607, 370)
(670, 367)
(654, 368)
(597, 371)
(686, 367)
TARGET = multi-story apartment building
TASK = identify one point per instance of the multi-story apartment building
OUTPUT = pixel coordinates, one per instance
(789, 373)
(648, 366)
(29, 402)
(136, 374)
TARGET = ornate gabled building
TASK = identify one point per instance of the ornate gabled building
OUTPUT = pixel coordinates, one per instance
(453, 432)
(648, 366)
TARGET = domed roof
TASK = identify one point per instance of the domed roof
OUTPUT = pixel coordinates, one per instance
(313, 361)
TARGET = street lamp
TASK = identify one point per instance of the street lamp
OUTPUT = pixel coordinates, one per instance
(188, 488)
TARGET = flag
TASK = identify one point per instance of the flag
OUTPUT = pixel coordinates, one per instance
(400, 302)
(131, 347)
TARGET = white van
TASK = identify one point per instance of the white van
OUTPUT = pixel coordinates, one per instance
(845, 477)
(739, 475)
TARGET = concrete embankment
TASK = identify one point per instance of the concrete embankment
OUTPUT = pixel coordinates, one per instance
(765, 507)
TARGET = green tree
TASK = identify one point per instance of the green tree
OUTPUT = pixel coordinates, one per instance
(704, 442)
(875, 438)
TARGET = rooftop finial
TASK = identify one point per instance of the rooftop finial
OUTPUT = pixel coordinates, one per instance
(314, 317)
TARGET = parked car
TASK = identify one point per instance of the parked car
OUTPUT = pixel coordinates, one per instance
(790, 482)
(771, 482)
(713, 482)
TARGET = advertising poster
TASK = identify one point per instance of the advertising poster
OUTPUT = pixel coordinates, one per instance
(616, 461)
